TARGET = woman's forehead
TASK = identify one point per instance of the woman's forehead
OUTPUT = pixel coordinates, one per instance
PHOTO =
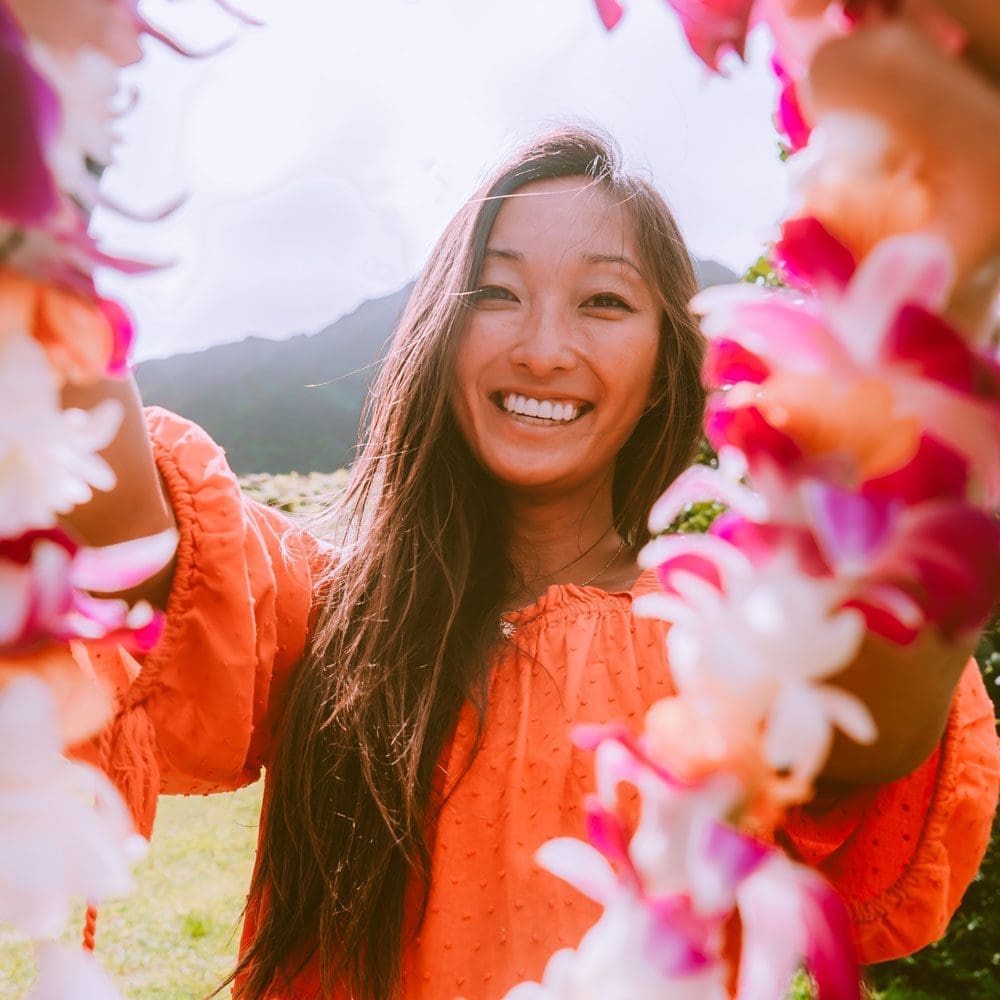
(563, 215)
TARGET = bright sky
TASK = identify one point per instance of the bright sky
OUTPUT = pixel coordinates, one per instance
(322, 155)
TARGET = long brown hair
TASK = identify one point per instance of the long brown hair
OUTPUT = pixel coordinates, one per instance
(410, 613)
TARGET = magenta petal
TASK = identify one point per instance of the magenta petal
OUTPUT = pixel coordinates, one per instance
(610, 11)
(760, 542)
(679, 941)
(850, 529)
(20, 549)
(882, 617)
(606, 831)
(123, 334)
(728, 362)
(809, 256)
(789, 914)
(935, 471)
(939, 352)
(713, 27)
(789, 118)
(746, 429)
(831, 956)
(142, 640)
(689, 562)
(29, 118)
(733, 853)
(955, 550)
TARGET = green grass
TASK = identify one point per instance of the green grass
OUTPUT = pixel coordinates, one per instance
(175, 937)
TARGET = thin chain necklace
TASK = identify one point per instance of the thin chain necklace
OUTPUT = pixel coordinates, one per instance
(509, 628)
(606, 566)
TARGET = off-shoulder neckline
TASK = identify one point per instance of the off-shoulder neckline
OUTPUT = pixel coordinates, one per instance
(558, 595)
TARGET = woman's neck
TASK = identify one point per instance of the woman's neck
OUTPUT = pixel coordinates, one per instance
(569, 540)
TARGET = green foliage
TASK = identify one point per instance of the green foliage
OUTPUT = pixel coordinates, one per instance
(760, 272)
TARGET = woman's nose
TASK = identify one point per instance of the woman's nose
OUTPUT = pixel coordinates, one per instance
(546, 342)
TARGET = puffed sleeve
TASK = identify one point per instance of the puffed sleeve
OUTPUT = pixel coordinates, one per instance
(902, 854)
(237, 619)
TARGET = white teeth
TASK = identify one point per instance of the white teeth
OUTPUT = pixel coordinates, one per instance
(543, 409)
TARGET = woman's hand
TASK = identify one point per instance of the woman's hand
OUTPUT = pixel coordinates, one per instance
(138, 505)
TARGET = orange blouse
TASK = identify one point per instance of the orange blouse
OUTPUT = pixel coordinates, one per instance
(202, 713)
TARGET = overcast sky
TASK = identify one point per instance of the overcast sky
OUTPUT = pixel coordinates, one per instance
(321, 155)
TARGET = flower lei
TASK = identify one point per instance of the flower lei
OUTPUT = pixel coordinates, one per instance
(856, 417)
(65, 832)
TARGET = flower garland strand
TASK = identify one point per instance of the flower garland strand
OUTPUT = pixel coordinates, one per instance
(65, 832)
(856, 416)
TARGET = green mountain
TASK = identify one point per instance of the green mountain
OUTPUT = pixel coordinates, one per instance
(280, 406)
(292, 405)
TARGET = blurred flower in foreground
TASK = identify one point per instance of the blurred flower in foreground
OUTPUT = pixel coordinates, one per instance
(46, 585)
(852, 372)
(49, 458)
(64, 832)
(29, 119)
(65, 972)
(84, 338)
(762, 636)
(885, 156)
(671, 895)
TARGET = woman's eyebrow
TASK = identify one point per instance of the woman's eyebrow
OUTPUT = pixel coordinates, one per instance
(504, 254)
(614, 258)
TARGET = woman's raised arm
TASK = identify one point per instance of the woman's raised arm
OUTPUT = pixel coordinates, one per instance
(138, 505)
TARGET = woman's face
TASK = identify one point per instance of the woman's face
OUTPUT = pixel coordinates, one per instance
(556, 363)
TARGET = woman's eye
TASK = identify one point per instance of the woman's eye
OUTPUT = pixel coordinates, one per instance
(608, 300)
(493, 293)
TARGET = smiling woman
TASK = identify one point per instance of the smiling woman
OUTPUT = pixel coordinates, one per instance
(411, 687)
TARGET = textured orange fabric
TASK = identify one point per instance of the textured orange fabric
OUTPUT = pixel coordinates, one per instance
(901, 854)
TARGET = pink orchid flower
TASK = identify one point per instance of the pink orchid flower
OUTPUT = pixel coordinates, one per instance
(86, 82)
(29, 120)
(84, 338)
(65, 833)
(867, 349)
(765, 636)
(917, 550)
(45, 585)
(906, 546)
(49, 459)
(654, 940)
(791, 916)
